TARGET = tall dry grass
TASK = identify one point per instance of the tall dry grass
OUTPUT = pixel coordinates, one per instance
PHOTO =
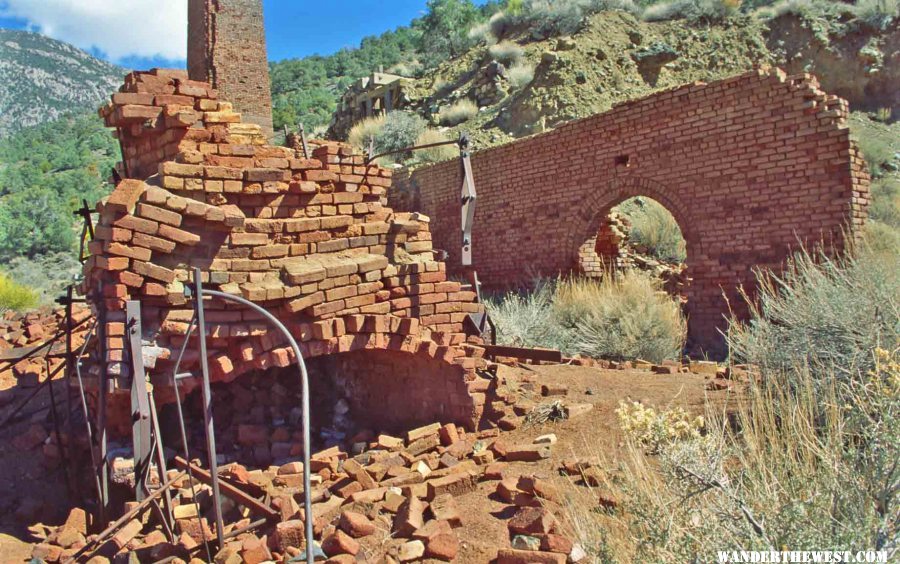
(807, 459)
(799, 467)
(623, 316)
(434, 154)
(459, 112)
(364, 132)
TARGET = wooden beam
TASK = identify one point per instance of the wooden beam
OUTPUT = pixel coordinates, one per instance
(546, 355)
(232, 492)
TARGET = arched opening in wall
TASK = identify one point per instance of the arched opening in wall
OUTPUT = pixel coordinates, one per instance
(354, 397)
(639, 233)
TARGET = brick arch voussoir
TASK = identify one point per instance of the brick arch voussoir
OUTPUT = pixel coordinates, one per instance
(587, 219)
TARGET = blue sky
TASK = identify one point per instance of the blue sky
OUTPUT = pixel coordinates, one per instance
(151, 33)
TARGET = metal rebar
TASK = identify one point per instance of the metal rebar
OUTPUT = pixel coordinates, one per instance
(84, 407)
(411, 148)
(184, 441)
(102, 389)
(140, 507)
(304, 379)
(207, 408)
(161, 461)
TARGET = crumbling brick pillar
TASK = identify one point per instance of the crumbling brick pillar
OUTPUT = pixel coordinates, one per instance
(310, 239)
(227, 48)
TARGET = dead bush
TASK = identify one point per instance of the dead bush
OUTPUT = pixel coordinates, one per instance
(457, 113)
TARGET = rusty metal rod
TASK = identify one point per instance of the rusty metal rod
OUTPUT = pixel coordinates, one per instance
(411, 148)
(207, 407)
(304, 381)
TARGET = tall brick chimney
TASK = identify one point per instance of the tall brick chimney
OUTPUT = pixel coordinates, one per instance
(227, 48)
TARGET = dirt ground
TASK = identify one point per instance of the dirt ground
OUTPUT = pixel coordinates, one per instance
(27, 494)
(595, 433)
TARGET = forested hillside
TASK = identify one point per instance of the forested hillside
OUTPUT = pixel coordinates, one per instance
(307, 89)
(45, 172)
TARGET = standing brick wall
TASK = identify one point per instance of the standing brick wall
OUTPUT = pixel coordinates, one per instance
(751, 167)
(227, 48)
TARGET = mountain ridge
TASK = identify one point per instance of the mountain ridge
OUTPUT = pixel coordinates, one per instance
(43, 79)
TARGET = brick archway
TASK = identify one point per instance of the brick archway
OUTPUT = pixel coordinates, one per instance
(603, 198)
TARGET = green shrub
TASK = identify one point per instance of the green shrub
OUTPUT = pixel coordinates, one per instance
(878, 14)
(482, 34)
(406, 68)
(823, 312)
(401, 129)
(523, 318)
(654, 230)
(884, 205)
(390, 132)
(519, 75)
(506, 52)
(15, 296)
(434, 154)
(692, 10)
(878, 151)
(880, 237)
(457, 113)
(47, 275)
(550, 18)
(624, 317)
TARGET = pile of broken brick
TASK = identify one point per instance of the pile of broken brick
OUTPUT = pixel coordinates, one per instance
(393, 501)
(719, 377)
(21, 333)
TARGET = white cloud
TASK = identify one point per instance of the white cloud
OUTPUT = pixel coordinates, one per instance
(119, 28)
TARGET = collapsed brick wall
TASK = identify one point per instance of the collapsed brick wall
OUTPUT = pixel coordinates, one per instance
(607, 249)
(310, 239)
(227, 48)
(751, 167)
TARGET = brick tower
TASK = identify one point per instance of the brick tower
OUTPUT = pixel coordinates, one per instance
(227, 48)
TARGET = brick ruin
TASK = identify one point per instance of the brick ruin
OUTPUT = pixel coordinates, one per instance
(310, 239)
(750, 167)
(227, 48)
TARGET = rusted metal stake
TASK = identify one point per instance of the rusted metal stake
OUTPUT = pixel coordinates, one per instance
(161, 461)
(207, 407)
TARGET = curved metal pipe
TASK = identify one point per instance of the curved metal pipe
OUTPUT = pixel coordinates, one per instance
(304, 378)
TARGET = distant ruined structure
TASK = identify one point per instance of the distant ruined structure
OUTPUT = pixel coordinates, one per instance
(373, 95)
(227, 49)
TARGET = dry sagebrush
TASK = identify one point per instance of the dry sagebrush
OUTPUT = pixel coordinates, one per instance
(802, 468)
